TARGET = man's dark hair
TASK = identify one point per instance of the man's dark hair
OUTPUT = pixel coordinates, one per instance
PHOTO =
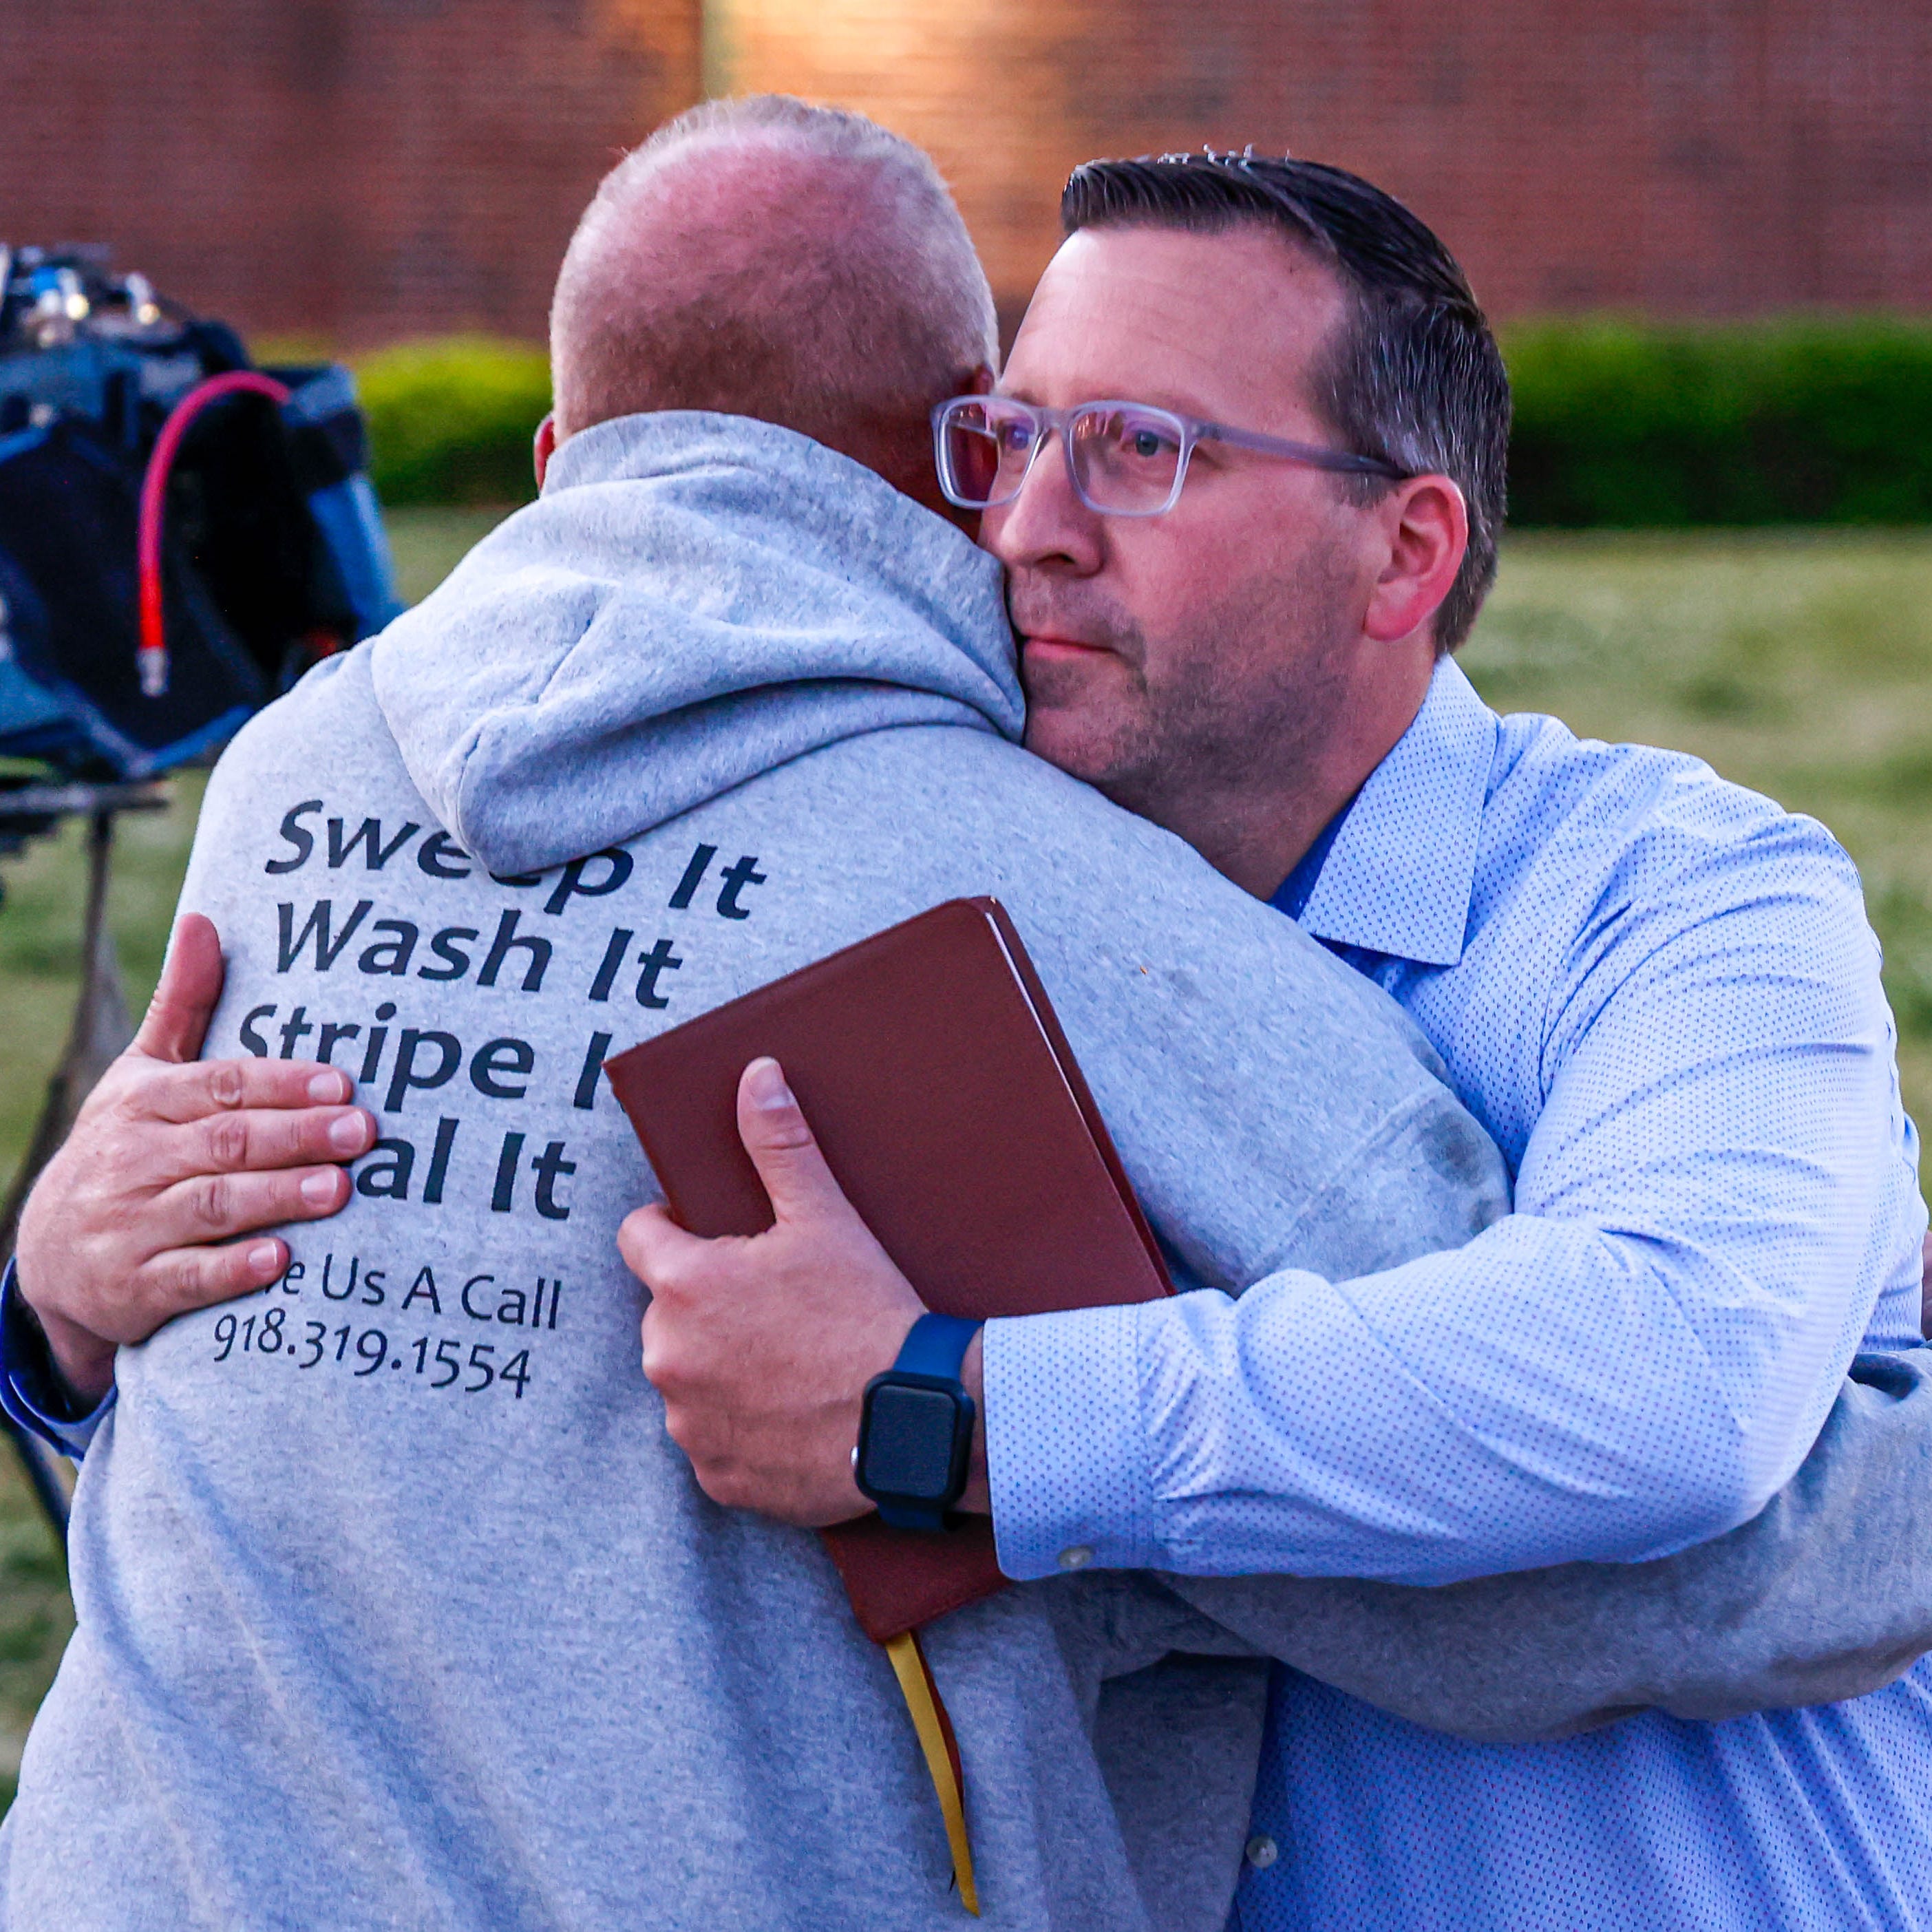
(1413, 377)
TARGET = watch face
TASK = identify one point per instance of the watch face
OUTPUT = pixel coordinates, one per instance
(909, 1445)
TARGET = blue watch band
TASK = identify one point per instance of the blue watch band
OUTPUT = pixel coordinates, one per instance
(929, 1357)
(936, 1344)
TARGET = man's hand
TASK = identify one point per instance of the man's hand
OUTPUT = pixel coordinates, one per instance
(762, 1347)
(168, 1161)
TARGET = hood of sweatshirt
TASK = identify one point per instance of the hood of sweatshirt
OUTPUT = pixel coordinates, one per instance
(693, 599)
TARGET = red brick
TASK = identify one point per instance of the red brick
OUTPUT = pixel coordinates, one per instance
(1711, 157)
(362, 169)
(357, 170)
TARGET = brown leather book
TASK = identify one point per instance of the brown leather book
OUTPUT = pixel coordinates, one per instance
(936, 1076)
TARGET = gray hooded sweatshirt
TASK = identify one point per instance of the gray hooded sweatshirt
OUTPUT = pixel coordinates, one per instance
(396, 1605)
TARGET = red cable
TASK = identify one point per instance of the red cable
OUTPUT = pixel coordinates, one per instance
(152, 656)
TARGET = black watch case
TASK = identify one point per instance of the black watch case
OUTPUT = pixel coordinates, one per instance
(915, 1440)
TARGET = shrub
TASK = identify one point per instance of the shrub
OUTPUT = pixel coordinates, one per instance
(451, 421)
(1825, 419)
(1817, 420)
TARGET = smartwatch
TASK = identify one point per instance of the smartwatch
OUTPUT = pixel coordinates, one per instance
(915, 1427)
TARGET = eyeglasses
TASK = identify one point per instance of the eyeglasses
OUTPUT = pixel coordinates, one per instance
(1124, 459)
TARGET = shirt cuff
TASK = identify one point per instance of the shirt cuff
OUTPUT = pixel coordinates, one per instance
(30, 1390)
(1066, 1451)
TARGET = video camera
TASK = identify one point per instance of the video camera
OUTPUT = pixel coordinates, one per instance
(182, 534)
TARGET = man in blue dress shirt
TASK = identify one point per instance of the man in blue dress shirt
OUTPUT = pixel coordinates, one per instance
(1656, 990)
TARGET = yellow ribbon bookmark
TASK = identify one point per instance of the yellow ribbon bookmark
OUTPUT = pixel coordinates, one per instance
(942, 1754)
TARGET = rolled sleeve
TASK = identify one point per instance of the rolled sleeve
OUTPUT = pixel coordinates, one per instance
(29, 1392)
(1066, 1451)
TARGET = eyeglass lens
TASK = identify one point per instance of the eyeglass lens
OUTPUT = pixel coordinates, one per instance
(1123, 460)
(972, 448)
(1126, 459)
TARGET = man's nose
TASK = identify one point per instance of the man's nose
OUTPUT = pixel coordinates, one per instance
(1046, 526)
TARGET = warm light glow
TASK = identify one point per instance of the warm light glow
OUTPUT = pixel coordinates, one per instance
(980, 84)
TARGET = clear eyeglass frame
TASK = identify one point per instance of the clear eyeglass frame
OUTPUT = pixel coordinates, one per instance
(1092, 435)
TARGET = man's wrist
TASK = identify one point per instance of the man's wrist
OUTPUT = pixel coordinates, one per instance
(67, 1362)
(977, 1499)
(32, 1392)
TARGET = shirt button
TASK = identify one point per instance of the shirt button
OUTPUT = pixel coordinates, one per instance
(1262, 1852)
(1076, 1556)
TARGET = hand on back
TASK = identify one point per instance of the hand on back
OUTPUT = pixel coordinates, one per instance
(136, 1220)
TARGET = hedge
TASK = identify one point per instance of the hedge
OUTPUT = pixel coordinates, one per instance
(1812, 420)
(1817, 420)
(451, 421)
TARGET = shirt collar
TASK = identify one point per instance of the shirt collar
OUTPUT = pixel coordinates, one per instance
(1399, 877)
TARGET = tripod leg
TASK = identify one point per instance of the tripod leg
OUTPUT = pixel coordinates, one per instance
(99, 1031)
(47, 1475)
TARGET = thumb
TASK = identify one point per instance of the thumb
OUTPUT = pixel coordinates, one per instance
(782, 1147)
(176, 1020)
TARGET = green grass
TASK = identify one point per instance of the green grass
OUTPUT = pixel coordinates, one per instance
(1800, 663)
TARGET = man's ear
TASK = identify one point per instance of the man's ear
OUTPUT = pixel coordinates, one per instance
(1427, 524)
(545, 447)
(982, 381)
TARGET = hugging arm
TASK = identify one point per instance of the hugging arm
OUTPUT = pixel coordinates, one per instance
(1784, 1556)
(1826, 1594)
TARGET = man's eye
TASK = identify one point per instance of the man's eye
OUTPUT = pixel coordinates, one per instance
(1145, 442)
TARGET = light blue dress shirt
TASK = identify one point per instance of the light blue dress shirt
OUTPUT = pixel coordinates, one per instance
(1660, 995)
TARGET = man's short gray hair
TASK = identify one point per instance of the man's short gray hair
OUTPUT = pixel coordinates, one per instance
(836, 285)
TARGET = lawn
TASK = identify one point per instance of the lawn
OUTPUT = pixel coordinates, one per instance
(1800, 663)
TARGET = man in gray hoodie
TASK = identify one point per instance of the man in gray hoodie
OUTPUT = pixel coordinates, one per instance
(711, 638)
(395, 1603)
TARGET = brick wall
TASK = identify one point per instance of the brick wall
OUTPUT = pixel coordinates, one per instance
(1716, 156)
(356, 169)
(363, 168)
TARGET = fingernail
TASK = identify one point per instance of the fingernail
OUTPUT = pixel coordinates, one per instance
(350, 1133)
(765, 1081)
(327, 1086)
(319, 1190)
(265, 1258)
